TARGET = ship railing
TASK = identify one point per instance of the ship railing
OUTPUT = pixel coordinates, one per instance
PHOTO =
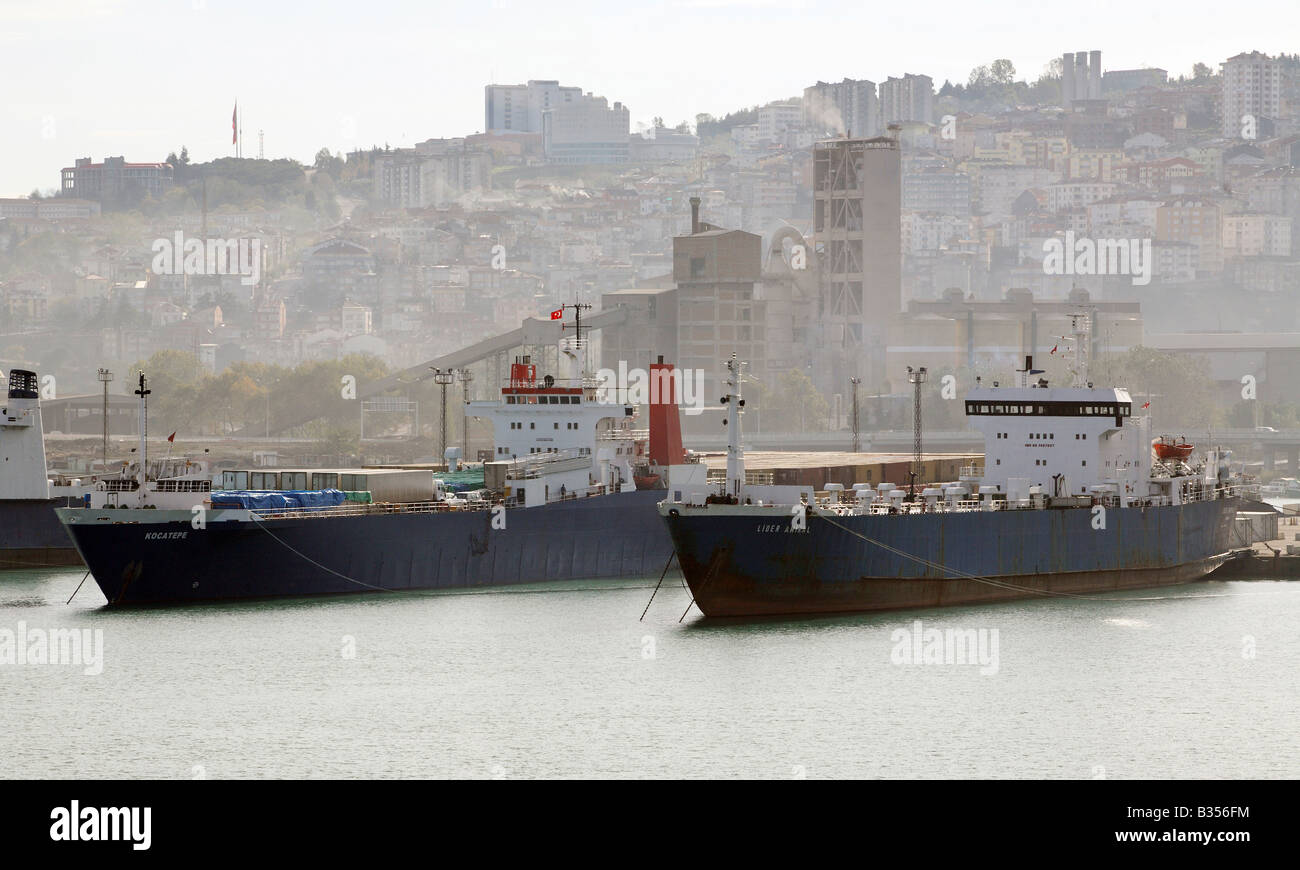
(966, 471)
(357, 509)
(624, 435)
(573, 495)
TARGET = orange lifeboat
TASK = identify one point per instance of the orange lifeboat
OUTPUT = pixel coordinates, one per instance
(1167, 448)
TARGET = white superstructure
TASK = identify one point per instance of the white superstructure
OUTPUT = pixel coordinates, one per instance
(555, 438)
(22, 442)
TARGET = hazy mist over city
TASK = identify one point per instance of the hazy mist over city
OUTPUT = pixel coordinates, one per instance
(402, 184)
(674, 389)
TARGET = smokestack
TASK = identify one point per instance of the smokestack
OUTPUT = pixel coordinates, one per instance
(695, 215)
(1067, 79)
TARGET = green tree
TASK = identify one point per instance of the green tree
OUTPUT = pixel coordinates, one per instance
(795, 401)
(1178, 386)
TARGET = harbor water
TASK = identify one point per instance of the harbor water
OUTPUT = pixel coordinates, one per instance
(562, 680)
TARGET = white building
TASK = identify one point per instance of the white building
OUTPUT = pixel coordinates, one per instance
(1252, 86)
(519, 108)
(586, 130)
(776, 119)
(1077, 194)
(1256, 235)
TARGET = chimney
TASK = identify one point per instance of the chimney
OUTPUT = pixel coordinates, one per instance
(695, 215)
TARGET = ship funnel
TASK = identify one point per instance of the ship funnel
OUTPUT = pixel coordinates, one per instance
(22, 440)
(665, 423)
(22, 384)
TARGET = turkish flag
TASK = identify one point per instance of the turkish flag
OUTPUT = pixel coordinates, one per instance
(1146, 404)
(171, 437)
(234, 125)
(557, 314)
(1054, 348)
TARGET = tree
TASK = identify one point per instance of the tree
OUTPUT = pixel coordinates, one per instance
(796, 400)
(1201, 72)
(1002, 71)
(1178, 386)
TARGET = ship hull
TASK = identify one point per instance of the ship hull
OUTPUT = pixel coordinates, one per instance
(743, 562)
(31, 535)
(167, 560)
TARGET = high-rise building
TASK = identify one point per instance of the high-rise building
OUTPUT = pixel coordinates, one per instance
(519, 108)
(1252, 90)
(433, 173)
(716, 272)
(857, 227)
(910, 98)
(1080, 77)
(586, 130)
(847, 108)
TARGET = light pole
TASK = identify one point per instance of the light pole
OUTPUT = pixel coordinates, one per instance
(916, 378)
(105, 377)
(443, 378)
(855, 382)
(466, 377)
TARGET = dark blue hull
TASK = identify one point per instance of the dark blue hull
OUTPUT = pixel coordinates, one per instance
(618, 535)
(739, 564)
(31, 535)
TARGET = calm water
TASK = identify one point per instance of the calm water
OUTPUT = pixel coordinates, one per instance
(567, 683)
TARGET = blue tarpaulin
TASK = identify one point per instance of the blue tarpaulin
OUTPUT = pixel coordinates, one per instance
(268, 500)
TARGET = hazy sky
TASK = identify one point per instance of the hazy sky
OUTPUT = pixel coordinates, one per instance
(140, 78)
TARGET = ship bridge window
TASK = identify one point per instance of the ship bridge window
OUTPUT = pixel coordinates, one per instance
(510, 400)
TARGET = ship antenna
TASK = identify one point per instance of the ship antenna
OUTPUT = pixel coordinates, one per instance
(1079, 330)
(735, 452)
(143, 392)
(578, 308)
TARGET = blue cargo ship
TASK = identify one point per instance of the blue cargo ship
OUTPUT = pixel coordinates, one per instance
(1071, 500)
(560, 501)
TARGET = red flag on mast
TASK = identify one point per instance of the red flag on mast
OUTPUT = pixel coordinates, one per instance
(171, 437)
(234, 125)
(557, 314)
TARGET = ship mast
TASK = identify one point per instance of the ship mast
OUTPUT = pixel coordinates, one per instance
(1080, 328)
(735, 453)
(143, 392)
(584, 362)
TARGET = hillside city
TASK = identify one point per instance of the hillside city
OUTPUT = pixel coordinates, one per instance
(830, 238)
